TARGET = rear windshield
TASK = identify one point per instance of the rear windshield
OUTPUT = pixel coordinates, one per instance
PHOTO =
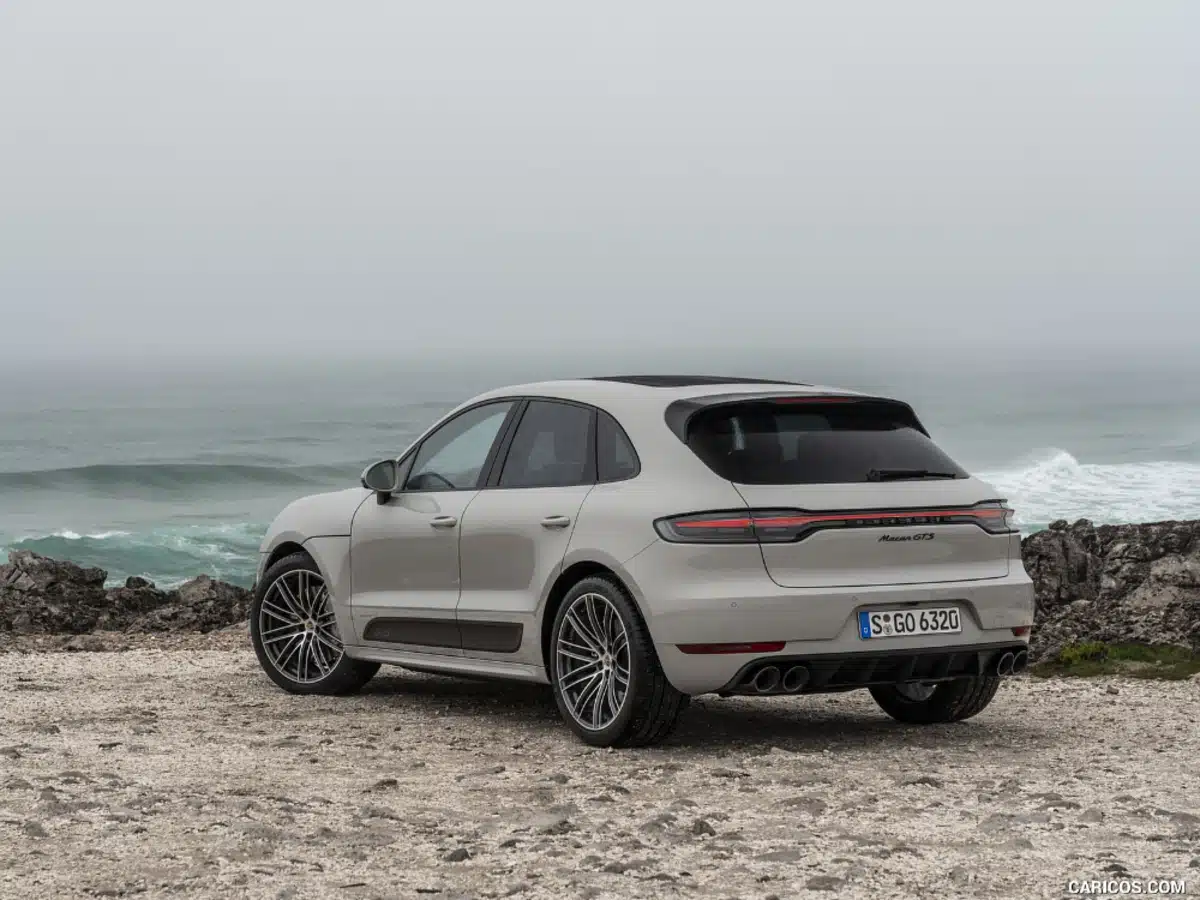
(815, 443)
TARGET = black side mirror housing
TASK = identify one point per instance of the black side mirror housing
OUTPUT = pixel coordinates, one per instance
(381, 477)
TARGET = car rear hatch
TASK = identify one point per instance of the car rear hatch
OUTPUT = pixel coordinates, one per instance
(842, 491)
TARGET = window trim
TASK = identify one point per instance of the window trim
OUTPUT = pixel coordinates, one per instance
(489, 478)
(409, 459)
(493, 479)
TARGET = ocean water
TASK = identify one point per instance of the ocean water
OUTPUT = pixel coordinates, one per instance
(167, 474)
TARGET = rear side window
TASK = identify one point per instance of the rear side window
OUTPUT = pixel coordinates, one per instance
(616, 459)
(552, 447)
(815, 443)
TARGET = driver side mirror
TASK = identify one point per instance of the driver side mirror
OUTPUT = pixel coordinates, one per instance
(381, 477)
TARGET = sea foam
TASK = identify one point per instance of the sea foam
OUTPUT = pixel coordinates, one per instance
(1052, 484)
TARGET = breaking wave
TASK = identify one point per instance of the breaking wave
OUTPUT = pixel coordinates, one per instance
(1052, 484)
(167, 556)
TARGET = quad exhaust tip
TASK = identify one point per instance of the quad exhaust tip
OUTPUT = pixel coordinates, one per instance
(1005, 665)
(794, 679)
(1020, 662)
(766, 679)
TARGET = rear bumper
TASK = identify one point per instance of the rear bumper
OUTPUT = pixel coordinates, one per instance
(721, 596)
(845, 671)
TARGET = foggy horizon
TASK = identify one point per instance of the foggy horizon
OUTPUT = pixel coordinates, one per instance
(607, 187)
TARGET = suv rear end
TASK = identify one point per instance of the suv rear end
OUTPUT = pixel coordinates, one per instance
(832, 545)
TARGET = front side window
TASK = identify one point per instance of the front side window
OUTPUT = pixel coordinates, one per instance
(551, 448)
(453, 457)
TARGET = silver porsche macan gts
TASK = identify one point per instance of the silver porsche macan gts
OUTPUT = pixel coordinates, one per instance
(635, 540)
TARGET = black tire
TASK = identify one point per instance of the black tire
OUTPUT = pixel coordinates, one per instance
(651, 706)
(346, 677)
(951, 701)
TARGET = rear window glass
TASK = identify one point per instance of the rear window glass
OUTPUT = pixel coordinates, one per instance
(774, 443)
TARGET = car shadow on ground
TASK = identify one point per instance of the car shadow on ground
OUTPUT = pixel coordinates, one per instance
(716, 725)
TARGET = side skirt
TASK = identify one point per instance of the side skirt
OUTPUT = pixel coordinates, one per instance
(450, 665)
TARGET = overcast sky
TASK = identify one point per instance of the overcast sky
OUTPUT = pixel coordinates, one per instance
(464, 179)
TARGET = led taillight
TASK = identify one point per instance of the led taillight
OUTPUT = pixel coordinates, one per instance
(995, 516)
(744, 527)
(783, 525)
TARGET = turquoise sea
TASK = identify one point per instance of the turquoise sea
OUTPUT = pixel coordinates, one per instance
(168, 473)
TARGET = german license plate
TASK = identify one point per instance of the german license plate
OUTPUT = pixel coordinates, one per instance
(904, 622)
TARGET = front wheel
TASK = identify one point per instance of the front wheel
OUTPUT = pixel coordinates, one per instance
(929, 704)
(295, 634)
(608, 683)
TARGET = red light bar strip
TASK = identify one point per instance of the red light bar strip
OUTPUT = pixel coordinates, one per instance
(795, 521)
(815, 399)
(767, 647)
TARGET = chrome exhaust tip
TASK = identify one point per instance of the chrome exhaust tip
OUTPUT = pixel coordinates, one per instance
(794, 679)
(766, 680)
(1005, 665)
(1020, 662)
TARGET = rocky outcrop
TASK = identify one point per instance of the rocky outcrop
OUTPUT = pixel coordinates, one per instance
(39, 595)
(1112, 583)
(1115, 583)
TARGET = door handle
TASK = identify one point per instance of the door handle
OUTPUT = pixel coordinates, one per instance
(556, 521)
(443, 522)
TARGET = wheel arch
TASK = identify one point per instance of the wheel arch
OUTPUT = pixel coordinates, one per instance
(285, 548)
(575, 570)
(331, 556)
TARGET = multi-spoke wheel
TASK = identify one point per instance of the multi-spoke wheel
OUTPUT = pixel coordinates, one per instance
(592, 659)
(295, 632)
(607, 680)
(297, 627)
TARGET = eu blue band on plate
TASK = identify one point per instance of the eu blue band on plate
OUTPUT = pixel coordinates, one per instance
(864, 624)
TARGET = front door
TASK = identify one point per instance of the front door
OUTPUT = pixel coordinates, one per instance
(515, 532)
(404, 554)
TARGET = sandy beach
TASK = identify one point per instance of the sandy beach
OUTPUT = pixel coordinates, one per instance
(185, 773)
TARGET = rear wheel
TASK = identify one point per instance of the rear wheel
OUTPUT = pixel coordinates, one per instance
(295, 633)
(608, 683)
(929, 704)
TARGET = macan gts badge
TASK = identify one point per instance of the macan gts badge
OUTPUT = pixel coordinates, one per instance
(636, 540)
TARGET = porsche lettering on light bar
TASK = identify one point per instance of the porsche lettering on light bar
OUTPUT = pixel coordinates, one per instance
(788, 525)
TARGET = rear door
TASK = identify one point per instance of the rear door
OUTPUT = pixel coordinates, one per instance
(852, 492)
(516, 531)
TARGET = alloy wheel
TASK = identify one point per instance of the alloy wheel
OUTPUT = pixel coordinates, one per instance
(297, 627)
(591, 658)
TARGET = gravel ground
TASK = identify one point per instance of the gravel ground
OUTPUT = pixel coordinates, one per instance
(176, 772)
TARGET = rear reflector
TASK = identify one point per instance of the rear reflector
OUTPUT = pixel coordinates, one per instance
(787, 525)
(767, 647)
(1021, 630)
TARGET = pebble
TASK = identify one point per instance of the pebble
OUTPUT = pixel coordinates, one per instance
(227, 809)
(824, 883)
